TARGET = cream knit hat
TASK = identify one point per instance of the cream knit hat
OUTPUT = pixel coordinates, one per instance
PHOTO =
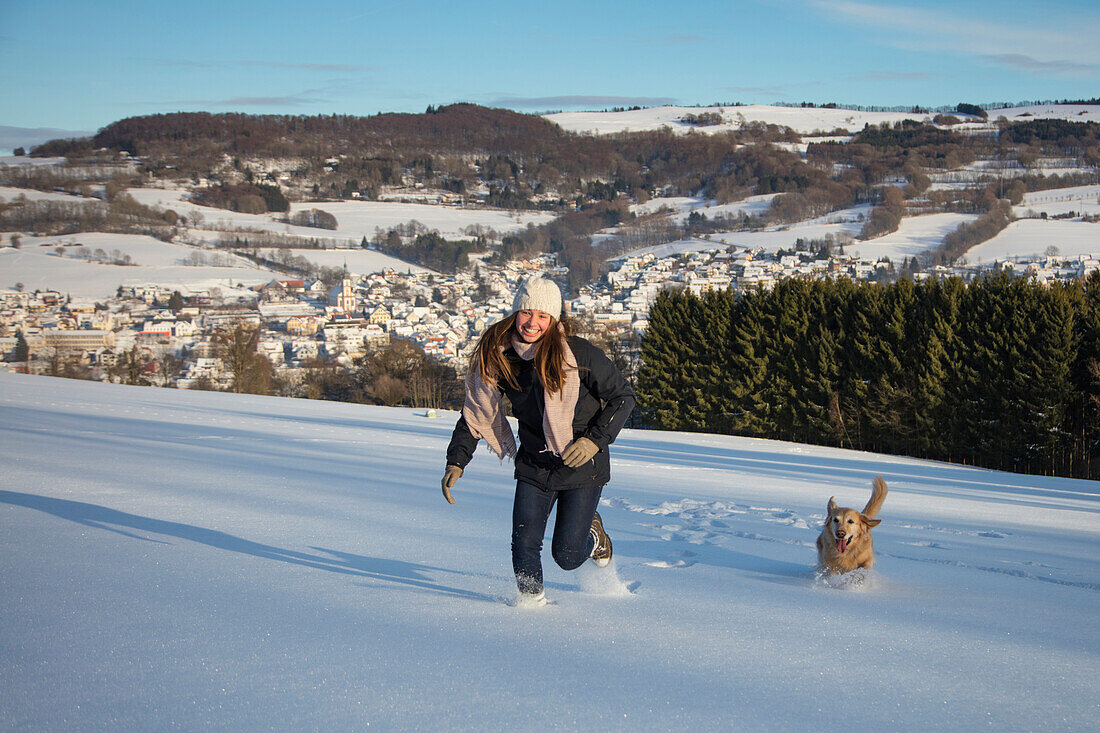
(538, 294)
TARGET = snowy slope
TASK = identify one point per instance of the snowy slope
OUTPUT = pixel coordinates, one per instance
(38, 267)
(199, 560)
(804, 120)
(915, 234)
(1030, 238)
(355, 219)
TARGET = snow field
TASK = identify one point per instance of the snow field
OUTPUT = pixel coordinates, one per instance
(355, 219)
(804, 120)
(211, 560)
(38, 267)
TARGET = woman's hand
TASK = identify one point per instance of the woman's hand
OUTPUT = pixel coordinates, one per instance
(579, 452)
(450, 478)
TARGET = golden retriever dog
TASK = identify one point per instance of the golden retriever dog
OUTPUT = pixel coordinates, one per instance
(845, 541)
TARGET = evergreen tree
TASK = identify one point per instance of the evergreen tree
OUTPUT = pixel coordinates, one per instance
(748, 366)
(934, 339)
(891, 389)
(819, 365)
(710, 369)
(997, 374)
(1083, 419)
(1046, 369)
(22, 350)
(860, 306)
(783, 391)
(665, 378)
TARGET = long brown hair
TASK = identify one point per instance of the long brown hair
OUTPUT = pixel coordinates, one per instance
(549, 353)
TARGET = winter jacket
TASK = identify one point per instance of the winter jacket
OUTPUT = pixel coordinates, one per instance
(604, 403)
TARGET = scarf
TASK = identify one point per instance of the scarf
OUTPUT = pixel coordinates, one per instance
(484, 410)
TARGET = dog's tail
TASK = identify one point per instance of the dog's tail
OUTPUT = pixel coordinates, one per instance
(878, 495)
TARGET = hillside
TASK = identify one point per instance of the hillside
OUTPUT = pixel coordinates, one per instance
(812, 121)
(202, 560)
(896, 185)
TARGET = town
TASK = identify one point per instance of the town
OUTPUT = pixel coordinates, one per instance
(171, 337)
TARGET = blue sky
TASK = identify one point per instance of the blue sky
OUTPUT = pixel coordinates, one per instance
(81, 65)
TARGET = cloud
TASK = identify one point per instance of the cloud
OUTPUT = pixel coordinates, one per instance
(28, 137)
(183, 63)
(892, 76)
(290, 66)
(306, 97)
(1054, 68)
(328, 68)
(577, 100)
(327, 94)
(294, 100)
(774, 90)
(1057, 35)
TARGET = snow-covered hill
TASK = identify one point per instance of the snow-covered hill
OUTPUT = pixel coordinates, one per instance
(359, 219)
(804, 120)
(193, 560)
(173, 265)
(355, 219)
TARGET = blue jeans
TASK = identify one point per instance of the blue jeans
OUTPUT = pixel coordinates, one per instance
(572, 543)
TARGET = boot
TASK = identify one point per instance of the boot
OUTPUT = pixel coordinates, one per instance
(601, 543)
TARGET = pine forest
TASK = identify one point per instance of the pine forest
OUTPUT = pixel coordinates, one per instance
(1002, 373)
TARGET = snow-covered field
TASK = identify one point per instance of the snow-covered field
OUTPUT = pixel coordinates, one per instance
(9, 194)
(802, 120)
(681, 207)
(194, 560)
(915, 234)
(357, 260)
(1030, 238)
(38, 267)
(27, 160)
(355, 219)
(842, 225)
(1083, 200)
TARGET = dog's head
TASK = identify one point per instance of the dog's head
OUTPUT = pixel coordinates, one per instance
(847, 526)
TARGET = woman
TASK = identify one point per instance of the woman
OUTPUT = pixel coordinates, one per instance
(570, 402)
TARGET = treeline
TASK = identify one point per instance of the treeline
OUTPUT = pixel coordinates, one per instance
(1059, 135)
(527, 162)
(316, 218)
(399, 374)
(432, 250)
(247, 198)
(77, 180)
(284, 261)
(121, 214)
(971, 234)
(456, 148)
(1003, 373)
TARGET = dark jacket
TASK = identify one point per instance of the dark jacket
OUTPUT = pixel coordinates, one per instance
(604, 403)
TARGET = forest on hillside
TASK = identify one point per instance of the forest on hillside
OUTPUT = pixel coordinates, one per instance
(1002, 373)
(520, 161)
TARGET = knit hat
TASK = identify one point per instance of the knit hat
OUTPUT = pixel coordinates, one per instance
(538, 294)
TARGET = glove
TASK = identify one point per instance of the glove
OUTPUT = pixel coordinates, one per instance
(450, 477)
(579, 452)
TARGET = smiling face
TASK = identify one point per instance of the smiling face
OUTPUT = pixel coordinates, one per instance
(531, 325)
(846, 526)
